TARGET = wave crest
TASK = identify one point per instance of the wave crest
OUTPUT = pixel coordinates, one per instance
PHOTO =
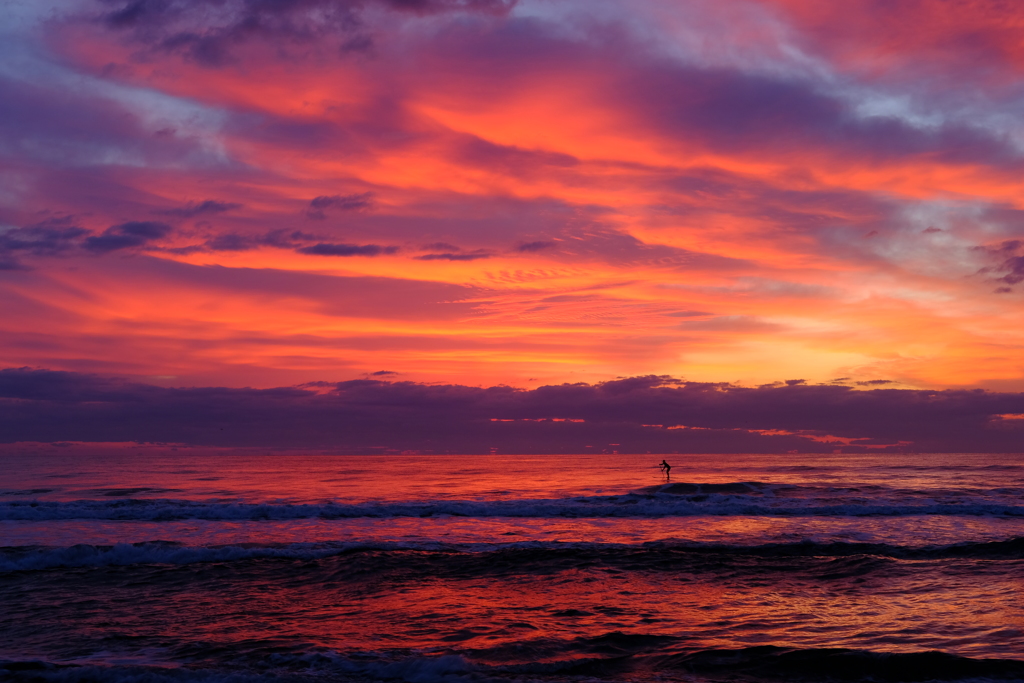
(661, 501)
(858, 558)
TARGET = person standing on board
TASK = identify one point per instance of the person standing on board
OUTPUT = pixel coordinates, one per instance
(666, 468)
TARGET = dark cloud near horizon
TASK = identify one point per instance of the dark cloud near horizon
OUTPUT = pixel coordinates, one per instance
(635, 413)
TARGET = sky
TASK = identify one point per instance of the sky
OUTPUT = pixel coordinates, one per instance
(465, 207)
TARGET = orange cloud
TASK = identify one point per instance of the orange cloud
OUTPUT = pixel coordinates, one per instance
(528, 199)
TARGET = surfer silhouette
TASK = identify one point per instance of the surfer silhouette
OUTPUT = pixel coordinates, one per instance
(666, 468)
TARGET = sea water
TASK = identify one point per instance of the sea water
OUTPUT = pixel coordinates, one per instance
(162, 566)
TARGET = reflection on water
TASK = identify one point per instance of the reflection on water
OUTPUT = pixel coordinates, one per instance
(355, 479)
(514, 604)
(439, 568)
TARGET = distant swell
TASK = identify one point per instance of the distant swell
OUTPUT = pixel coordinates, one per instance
(533, 556)
(629, 505)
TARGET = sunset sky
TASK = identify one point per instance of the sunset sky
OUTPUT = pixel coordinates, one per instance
(476, 193)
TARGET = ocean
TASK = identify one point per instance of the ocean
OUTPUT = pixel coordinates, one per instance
(173, 566)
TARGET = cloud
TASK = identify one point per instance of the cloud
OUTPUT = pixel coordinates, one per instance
(441, 246)
(47, 238)
(731, 323)
(49, 122)
(732, 111)
(1009, 260)
(536, 151)
(654, 413)
(233, 241)
(462, 256)
(934, 42)
(125, 235)
(193, 209)
(210, 38)
(230, 242)
(328, 249)
(451, 252)
(385, 298)
(1015, 266)
(56, 237)
(509, 159)
(689, 314)
(532, 247)
(350, 202)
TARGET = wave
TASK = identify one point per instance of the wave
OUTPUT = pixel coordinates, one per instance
(835, 664)
(532, 556)
(661, 501)
(762, 663)
(165, 552)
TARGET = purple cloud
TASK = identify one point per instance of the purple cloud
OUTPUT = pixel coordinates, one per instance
(640, 414)
(462, 256)
(187, 27)
(193, 209)
(531, 247)
(55, 237)
(125, 235)
(349, 202)
(327, 249)
(45, 239)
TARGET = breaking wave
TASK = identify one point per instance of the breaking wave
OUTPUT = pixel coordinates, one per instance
(663, 501)
(437, 556)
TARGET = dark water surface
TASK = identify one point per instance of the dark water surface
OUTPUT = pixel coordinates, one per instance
(499, 568)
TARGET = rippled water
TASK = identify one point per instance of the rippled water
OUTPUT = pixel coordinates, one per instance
(428, 568)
